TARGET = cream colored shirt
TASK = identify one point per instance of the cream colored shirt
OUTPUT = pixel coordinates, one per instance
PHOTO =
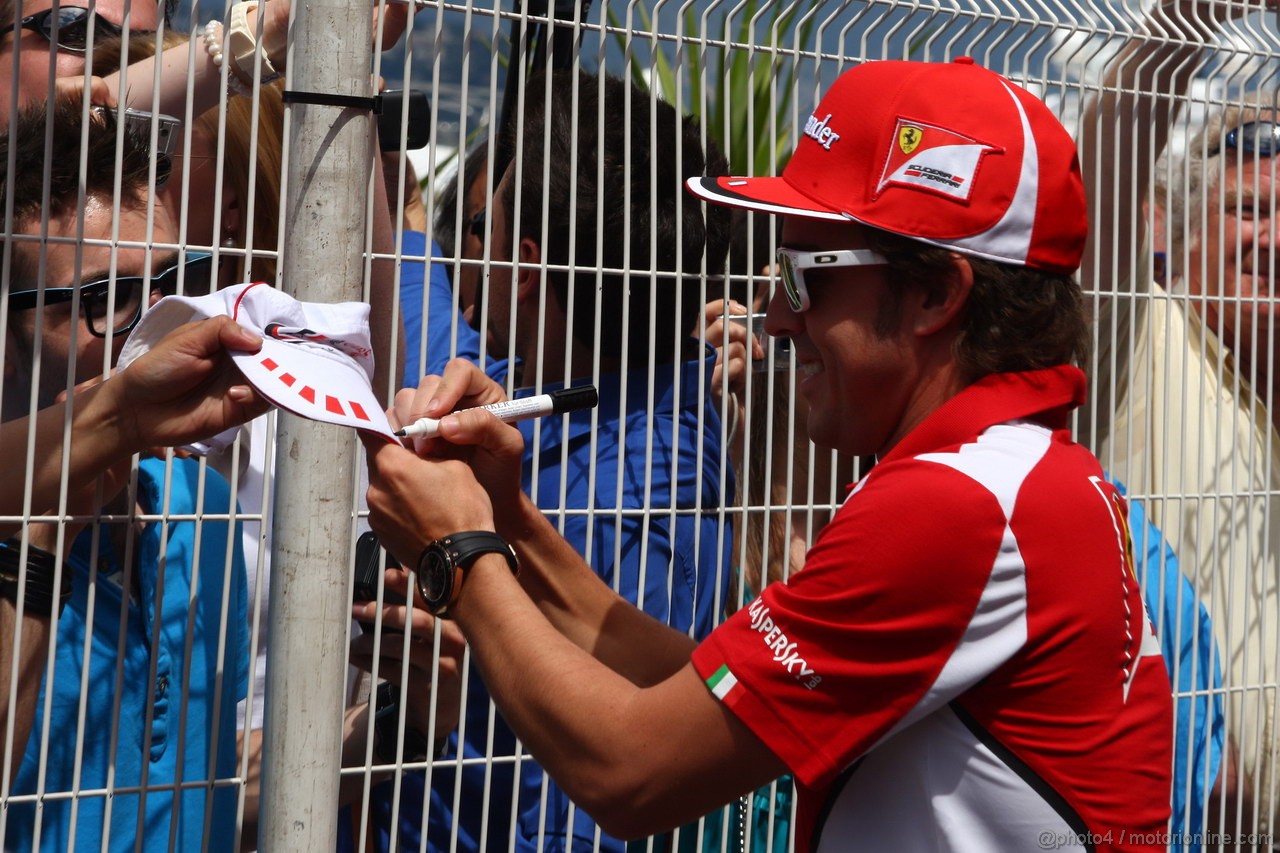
(1189, 438)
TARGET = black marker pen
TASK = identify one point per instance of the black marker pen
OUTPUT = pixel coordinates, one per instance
(509, 411)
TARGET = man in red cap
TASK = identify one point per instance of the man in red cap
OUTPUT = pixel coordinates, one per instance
(964, 662)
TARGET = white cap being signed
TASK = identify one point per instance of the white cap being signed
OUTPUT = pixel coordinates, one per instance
(316, 359)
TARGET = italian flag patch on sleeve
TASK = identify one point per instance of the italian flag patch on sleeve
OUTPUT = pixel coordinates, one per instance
(724, 684)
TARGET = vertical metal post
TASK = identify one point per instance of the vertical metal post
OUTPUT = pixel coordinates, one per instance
(327, 176)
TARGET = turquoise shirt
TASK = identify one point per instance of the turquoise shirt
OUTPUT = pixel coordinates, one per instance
(176, 701)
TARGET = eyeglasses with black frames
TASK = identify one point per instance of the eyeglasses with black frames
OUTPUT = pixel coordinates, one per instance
(67, 27)
(118, 311)
(792, 265)
(1254, 137)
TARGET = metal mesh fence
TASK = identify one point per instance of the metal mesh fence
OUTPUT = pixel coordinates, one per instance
(690, 487)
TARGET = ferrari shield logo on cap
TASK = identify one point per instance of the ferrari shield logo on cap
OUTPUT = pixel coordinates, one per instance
(934, 159)
(909, 136)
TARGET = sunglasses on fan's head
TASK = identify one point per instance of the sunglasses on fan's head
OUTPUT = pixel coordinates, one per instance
(1254, 137)
(67, 27)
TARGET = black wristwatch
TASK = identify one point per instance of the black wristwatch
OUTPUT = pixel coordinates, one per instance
(444, 562)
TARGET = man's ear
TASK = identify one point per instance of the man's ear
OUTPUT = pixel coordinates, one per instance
(941, 304)
(1154, 214)
(529, 276)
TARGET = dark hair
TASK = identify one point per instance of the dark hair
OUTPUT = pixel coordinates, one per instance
(60, 125)
(618, 145)
(1016, 318)
(453, 195)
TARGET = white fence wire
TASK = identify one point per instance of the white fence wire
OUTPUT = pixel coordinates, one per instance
(685, 491)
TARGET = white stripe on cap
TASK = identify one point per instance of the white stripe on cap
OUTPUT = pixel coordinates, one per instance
(1010, 238)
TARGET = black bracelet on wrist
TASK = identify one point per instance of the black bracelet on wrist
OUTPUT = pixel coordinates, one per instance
(386, 721)
(41, 598)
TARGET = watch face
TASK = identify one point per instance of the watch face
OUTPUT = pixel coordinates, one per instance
(435, 577)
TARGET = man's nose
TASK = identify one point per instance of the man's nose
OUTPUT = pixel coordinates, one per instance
(780, 320)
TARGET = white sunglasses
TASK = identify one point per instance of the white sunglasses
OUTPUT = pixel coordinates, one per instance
(793, 264)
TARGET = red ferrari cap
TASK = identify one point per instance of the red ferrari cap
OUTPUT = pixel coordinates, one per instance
(951, 154)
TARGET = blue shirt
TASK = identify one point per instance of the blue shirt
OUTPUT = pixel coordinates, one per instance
(1186, 640)
(429, 302)
(650, 524)
(167, 722)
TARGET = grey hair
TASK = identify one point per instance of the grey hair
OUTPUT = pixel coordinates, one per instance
(1186, 183)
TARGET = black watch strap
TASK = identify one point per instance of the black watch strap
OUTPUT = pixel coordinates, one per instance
(467, 547)
(444, 563)
(41, 597)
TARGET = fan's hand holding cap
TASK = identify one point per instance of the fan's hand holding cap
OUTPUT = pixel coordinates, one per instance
(948, 153)
(316, 359)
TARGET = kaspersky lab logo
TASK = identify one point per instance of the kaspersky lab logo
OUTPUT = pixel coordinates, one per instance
(818, 129)
(784, 651)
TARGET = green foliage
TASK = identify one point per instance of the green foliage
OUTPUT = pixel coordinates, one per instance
(739, 83)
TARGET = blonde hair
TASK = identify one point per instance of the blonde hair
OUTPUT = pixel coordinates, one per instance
(260, 262)
(266, 160)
